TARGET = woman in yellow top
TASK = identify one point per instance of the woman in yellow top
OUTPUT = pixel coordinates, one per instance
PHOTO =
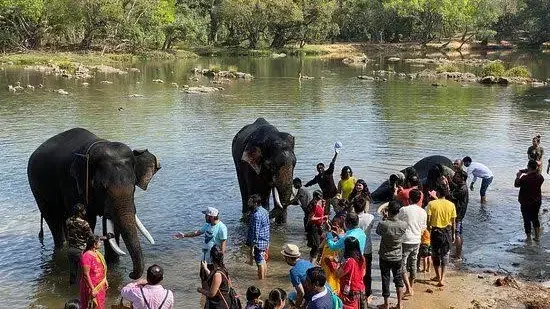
(328, 266)
(346, 183)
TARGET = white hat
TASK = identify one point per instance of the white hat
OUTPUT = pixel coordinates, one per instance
(211, 211)
(291, 250)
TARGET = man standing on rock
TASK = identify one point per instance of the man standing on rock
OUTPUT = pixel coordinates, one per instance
(530, 197)
(478, 170)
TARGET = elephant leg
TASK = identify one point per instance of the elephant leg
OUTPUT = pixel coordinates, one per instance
(110, 255)
(56, 227)
(279, 214)
(242, 187)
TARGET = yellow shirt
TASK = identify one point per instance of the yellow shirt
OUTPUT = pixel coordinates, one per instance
(441, 213)
(426, 238)
(347, 186)
(332, 280)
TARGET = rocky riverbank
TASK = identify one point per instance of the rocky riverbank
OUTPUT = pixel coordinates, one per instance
(477, 290)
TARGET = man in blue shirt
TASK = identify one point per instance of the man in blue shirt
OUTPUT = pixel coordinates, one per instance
(314, 285)
(352, 229)
(215, 233)
(292, 254)
(258, 234)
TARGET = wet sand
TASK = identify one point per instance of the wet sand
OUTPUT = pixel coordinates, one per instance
(477, 290)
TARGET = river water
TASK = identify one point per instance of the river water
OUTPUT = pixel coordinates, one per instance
(384, 126)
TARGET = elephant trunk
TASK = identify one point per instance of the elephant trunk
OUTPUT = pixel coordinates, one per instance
(124, 217)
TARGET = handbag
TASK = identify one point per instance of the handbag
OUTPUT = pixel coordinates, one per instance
(235, 301)
(121, 305)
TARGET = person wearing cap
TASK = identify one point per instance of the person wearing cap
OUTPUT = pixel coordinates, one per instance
(325, 180)
(258, 234)
(215, 233)
(291, 254)
(392, 230)
(149, 293)
(478, 170)
(78, 231)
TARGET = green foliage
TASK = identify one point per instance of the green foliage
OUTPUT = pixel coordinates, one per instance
(449, 67)
(139, 25)
(493, 68)
(519, 71)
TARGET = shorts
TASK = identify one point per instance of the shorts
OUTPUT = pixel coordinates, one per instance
(442, 260)
(260, 256)
(425, 250)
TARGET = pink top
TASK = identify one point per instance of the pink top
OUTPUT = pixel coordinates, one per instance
(97, 273)
(153, 293)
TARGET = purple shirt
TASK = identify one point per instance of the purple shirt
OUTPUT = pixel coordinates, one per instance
(153, 293)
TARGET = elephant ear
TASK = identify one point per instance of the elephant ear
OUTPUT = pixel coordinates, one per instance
(253, 156)
(78, 173)
(145, 167)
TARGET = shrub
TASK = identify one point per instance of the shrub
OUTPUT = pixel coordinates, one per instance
(494, 68)
(448, 67)
(519, 71)
(232, 68)
(215, 68)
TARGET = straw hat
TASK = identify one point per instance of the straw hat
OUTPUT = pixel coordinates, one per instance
(291, 250)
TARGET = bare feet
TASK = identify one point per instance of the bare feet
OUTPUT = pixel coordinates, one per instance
(434, 279)
(440, 284)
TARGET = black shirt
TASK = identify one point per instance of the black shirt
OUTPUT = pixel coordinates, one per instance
(325, 181)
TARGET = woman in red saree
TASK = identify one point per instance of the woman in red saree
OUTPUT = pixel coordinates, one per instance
(93, 282)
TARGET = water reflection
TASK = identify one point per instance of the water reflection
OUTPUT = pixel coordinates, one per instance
(384, 126)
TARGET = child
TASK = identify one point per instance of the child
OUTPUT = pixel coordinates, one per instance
(253, 298)
(425, 252)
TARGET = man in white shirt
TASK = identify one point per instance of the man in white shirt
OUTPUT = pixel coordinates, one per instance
(478, 170)
(366, 221)
(415, 217)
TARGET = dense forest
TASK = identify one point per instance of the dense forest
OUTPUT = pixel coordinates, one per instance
(132, 25)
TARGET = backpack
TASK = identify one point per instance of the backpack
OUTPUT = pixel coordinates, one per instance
(234, 302)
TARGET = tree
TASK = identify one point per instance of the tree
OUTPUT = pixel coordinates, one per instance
(21, 23)
(245, 19)
(534, 17)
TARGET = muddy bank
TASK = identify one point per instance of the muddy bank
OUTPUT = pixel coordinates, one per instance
(475, 290)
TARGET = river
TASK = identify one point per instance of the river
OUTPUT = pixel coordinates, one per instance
(384, 127)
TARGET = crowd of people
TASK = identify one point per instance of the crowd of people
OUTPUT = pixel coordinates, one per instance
(419, 227)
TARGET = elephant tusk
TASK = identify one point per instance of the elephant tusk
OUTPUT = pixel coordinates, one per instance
(112, 241)
(144, 231)
(276, 199)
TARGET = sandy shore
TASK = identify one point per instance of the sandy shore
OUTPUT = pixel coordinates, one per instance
(477, 290)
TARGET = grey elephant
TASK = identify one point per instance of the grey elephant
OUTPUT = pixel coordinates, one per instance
(264, 159)
(76, 166)
(384, 193)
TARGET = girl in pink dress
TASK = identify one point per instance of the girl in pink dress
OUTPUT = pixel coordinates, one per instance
(93, 282)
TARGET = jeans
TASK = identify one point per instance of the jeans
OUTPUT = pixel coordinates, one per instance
(485, 182)
(530, 214)
(73, 254)
(367, 279)
(410, 255)
(395, 268)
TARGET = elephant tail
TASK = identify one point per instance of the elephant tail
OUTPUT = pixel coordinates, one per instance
(41, 233)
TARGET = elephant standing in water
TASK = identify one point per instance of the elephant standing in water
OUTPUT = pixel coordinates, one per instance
(78, 167)
(264, 159)
(384, 193)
